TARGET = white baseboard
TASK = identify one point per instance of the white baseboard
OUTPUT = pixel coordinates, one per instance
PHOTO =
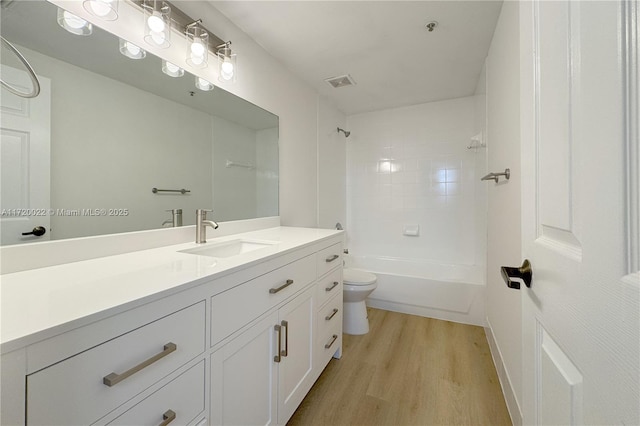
(507, 389)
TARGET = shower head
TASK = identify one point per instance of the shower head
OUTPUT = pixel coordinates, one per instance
(346, 132)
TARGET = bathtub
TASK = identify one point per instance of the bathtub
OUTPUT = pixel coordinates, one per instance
(419, 287)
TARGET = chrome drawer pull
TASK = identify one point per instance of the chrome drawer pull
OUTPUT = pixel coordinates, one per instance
(285, 324)
(328, 345)
(282, 287)
(334, 285)
(333, 314)
(168, 417)
(278, 330)
(114, 378)
(332, 258)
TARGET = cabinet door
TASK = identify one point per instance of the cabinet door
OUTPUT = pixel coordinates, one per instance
(295, 371)
(243, 377)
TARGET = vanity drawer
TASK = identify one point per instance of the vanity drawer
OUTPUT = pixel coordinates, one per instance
(329, 258)
(73, 391)
(328, 286)
(238, 306)
(329, 316)
(328, 343)
(181, 399)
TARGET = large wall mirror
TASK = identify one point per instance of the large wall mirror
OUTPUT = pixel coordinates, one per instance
(82, 158)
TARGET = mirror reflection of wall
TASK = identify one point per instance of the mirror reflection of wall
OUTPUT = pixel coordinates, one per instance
(111, 142)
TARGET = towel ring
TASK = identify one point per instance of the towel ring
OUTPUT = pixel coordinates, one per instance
(34, 79)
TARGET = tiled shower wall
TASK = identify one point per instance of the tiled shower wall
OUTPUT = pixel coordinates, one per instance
(411, 166)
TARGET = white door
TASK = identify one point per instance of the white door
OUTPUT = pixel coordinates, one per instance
(581, 336)
(295, 370)
(243, 377)
(24, 159)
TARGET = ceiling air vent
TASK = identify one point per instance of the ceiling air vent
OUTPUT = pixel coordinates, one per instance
(340, 81)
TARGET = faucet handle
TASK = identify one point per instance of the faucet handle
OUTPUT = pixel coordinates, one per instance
(202, 213)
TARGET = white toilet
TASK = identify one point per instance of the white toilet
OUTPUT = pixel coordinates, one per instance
(357, 285)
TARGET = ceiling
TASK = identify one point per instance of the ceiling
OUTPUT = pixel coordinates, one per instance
(384, 45)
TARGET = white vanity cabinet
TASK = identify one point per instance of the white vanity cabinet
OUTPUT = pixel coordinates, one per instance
(328, 341)
(87, 386)
(261, 376)
(243, 347)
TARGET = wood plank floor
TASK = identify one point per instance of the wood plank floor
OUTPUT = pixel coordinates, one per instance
(408, 370)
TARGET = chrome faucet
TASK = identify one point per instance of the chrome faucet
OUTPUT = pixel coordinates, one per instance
(176, 218)
(201, 225)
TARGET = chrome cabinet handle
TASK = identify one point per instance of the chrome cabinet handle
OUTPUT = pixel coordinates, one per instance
(285, 324)
(279, 331)
(333, 314)
(282, 287)
(332, 258)
(114, 378)
(333, 339)
(168, 417)
(334, 285)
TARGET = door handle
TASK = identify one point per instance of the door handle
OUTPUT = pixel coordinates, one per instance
(285, 352)
(38, 231)
(278, 330)
(524, 272)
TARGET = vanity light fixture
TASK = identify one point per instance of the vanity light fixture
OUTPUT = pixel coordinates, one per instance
(131, 50)
(203, 84)
(227, 67)
(171, 70)
(104, 9)
(74, 24)
(197, 44)
(157, 23)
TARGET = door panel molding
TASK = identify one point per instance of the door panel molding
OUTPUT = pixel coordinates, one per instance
(556, 43)
(630, 16)
(561, 241)
(556, 371)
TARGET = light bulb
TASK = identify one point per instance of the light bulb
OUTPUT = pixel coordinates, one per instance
(172, 70)
(100, 8)
(73, 21)
(158, 37)
(103, 9)
(203, 84)
(197, 60)
(155, 22)
(197, 48)
(227, 67)
(132, 48)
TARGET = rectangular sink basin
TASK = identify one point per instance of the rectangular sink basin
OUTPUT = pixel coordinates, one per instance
(229, 248)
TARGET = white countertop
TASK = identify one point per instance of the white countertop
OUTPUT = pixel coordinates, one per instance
(34, 302)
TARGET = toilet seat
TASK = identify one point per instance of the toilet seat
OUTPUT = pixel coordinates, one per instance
(357, 277)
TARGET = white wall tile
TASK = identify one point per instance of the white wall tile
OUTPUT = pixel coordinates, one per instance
(411, 166)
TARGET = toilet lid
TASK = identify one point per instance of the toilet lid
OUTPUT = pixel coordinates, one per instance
(357, 277)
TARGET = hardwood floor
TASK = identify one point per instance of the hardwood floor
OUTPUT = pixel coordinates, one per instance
(408, 370)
